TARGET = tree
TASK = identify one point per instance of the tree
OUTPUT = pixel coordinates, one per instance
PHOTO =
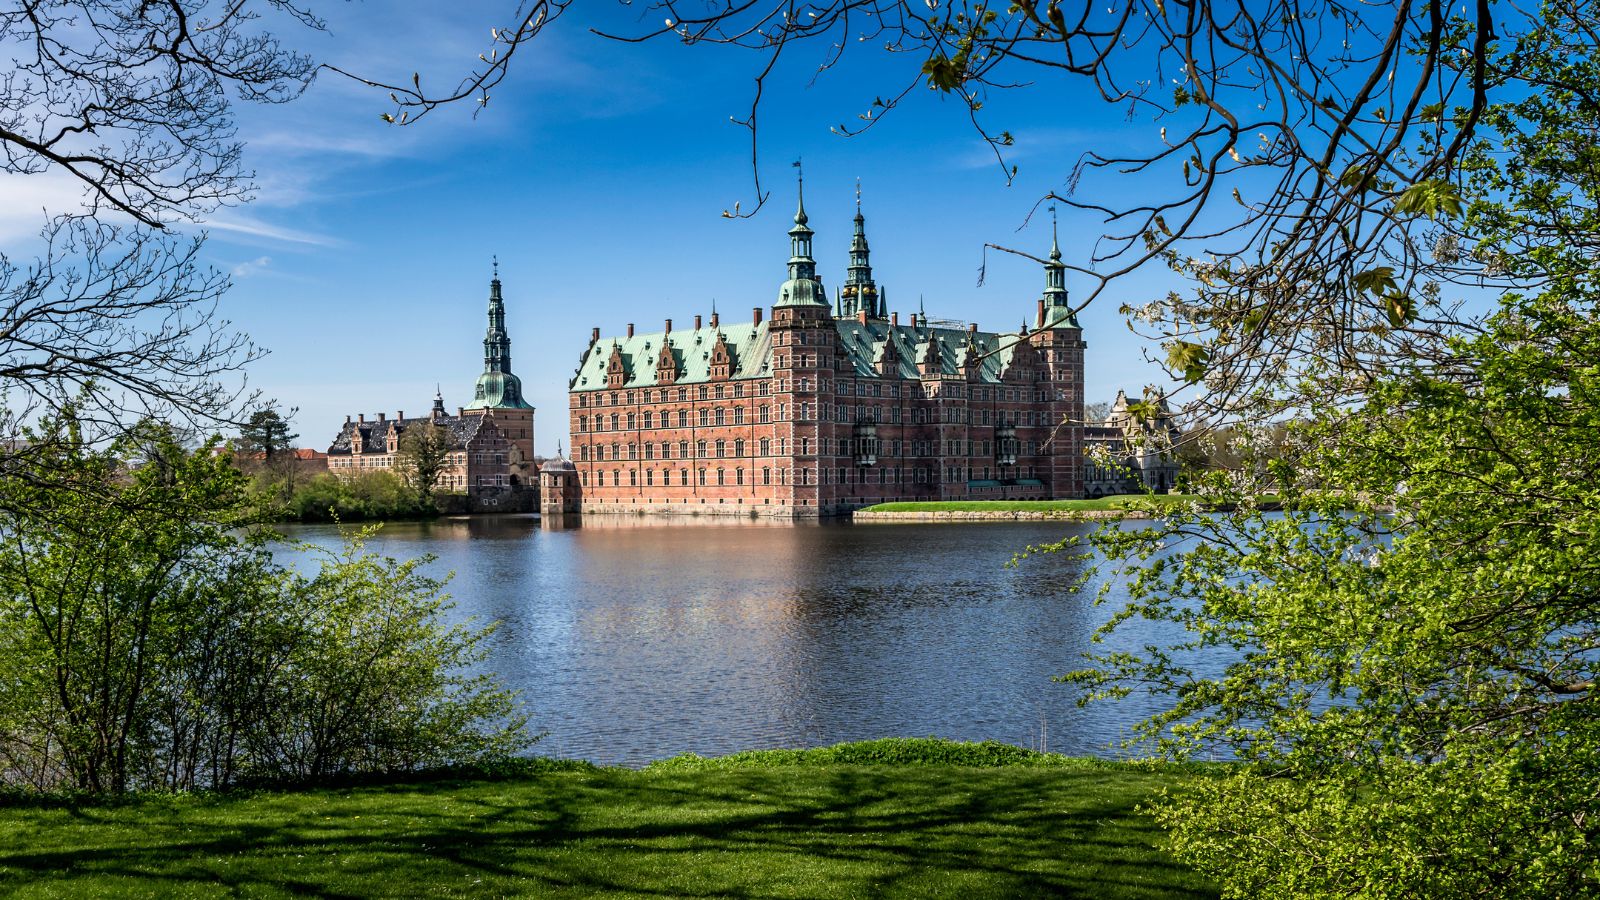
(267, 433)
(148, 642)
(424, 455)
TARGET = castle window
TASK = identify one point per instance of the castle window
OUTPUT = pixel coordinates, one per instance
(721, 449)
(583, 453)
(738, 415)
(649, 476)
(720, 479)
(721, 416)
(702, 477)
(683, 418)
(649, 450)
(705, 417)
(702, 392)
(738, 476)
(649, 420)
(738, 390)
(628, 398)
(683, 477)
(716, 392)
(633, 478)
(700, 449)
(766, 447)
(766, 475)
(762, 414)
(765, 389)
(583, 399)
(616, 478)
(583, 423)
(614, 421)
(630, 421)
(683, 449)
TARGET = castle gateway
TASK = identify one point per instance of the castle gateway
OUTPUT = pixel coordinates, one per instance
(820, 408)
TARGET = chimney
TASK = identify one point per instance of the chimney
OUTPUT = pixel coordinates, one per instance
(630, 329)
(697, 322)
(347, 420)
(363, 418)
(756, 319)
(594, 335)
(861, 316)
(461, 412)
(381, 417)
(972, 328)
(713, 320)
(669, 326)
(894, 319)
(1041, 314)
(400, 414)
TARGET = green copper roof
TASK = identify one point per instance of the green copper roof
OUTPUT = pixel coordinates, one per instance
(750, 347)
(497, 388)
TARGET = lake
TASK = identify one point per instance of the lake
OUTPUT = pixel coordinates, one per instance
(636, 639)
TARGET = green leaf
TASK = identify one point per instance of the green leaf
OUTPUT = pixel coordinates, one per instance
(1375, 281)
(1429, 198)
(1189, 358)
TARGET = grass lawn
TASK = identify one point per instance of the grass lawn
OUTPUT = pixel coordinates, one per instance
(1119, 501)
(814, 824)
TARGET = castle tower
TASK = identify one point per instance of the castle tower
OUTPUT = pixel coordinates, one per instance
(860, 293)
(803, 346)
(1059, 340)
(497, 388)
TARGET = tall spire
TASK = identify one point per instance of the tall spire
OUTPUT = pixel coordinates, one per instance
(1058, 308)
(497, 388)
(803, 287)
(860, 293)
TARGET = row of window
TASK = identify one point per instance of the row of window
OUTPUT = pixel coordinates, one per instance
(679, 394)
(826, 447)
(722, 477)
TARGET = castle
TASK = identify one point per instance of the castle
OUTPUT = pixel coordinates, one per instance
(820, 408)
(490, 441)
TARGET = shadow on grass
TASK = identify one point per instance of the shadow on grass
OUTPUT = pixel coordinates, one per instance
(781, 832)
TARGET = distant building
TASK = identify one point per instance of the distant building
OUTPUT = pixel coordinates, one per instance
(823, 408)
(480, 454)
(491, 439)
(1127, 453)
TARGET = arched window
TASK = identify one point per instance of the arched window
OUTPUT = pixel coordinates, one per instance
(766, 447)
(720, 480)
(649, 450)
(633, 451)
(683, 394)
(649, 477)
(683, 449)
(630, 421)
(583, 423)
(722, 448)
(766, 475)
(738, 447)
(633, 478)
(683, 477)
(762, 414)
(721, 417)
(702, 477)
(649, 420)
(738, 476)
(700, 449)
(616, 478)
(738, 415)
(613, 421)
(702, 392)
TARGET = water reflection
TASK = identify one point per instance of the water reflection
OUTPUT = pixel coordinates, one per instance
(634, 639)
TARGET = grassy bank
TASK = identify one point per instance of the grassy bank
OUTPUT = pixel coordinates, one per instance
(1099, 504)
(886, 818)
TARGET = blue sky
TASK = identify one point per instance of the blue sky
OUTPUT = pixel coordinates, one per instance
(597, 175)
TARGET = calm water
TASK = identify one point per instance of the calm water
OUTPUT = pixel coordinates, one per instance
(634, 641)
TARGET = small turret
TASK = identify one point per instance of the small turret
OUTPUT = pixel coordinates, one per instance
(803, 287)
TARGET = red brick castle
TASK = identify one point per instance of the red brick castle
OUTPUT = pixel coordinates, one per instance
(822, 408)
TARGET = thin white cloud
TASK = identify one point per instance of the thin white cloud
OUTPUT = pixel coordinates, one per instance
(252, 267)
(235, 223)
